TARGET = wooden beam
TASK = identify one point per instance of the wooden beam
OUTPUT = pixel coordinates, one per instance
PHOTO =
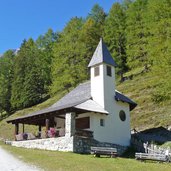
(23, 128)
(34, 120)
(40, 130)
(16, 130)
(61, 117)
(38, 117)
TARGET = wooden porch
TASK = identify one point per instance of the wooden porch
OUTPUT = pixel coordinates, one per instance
(53, 126)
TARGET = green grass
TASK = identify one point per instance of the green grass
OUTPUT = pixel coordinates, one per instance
(63, 161)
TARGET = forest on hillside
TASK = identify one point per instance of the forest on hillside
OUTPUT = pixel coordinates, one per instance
(136, 32)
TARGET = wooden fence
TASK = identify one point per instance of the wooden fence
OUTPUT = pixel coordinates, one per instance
(146, 147)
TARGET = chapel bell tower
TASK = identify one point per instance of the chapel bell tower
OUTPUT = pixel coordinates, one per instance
(102, 69)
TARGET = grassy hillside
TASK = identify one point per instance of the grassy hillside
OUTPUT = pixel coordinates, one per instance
(146, 115)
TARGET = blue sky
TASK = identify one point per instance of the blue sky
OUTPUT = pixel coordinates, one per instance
(22, 19)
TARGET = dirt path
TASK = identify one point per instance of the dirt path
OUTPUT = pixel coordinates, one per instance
(10, 163)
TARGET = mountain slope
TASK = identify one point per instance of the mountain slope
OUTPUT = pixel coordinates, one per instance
(147, 114)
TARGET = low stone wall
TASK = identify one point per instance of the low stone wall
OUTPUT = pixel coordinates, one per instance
(55, 144)
(75, 144)
(83, 144)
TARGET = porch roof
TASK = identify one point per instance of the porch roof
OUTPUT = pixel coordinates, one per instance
(37, 118)
(92, 106)
(78, 100)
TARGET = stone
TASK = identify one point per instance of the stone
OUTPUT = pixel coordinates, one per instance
(69, 124)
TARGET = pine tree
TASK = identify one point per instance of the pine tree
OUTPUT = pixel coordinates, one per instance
(159, 26)
(45, 43)
(90, 36)
(114, 35)
(97, 14)
(69, 62)
(92, 30)
(6, 76)
(136, 34)
(29, 79)
(159, 46)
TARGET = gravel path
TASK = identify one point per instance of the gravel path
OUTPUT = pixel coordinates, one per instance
(10, 163)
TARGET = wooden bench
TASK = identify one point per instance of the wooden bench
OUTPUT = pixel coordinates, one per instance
(97, 151)
(152, 156)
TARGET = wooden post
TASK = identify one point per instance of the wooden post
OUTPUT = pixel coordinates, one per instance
(16, 130)
(47, 127)
(23, 128)
(40, 131)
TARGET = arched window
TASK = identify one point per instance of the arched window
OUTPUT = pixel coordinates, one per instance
(122, 115)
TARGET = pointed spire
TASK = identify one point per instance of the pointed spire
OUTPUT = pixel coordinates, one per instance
(102, 55)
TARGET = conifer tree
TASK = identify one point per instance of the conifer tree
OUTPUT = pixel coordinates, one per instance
(45, 43)
(114, 35)
(159, 26)
(159, 46)
(92, 30)
(28, 85)
(97, 14)
(69, 62)
(136, 34)
(6, 76)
